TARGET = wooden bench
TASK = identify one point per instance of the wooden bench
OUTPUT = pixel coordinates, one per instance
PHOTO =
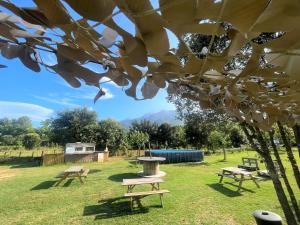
(237, 174)
(250, 164)
(140, 195)
(83, 174)
(229, 176)
(74, 171)
(266, 174)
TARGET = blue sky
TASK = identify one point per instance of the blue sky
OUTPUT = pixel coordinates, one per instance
(40, 95)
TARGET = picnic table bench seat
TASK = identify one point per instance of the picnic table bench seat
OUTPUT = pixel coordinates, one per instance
(139, 195)
(83, 174)
(229, 176)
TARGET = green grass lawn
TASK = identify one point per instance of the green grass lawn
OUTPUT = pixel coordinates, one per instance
(28, 196)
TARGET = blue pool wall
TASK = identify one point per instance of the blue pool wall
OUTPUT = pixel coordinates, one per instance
(177, 156)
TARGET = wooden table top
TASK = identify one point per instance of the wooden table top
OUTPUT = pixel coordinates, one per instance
(74, 169)
(151, 159)
(236, 170)
(138, 181)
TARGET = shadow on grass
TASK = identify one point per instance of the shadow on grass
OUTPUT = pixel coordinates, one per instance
(242, 188)
(21, 164)
(119, 177)
(69, 181)
(43, 185)
(191, 164)
(220, 188)
(94, 171)
(113, 207)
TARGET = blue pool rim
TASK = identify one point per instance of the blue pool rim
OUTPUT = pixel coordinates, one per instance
(177, 155)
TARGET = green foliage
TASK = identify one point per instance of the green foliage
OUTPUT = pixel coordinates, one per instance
(217, 139)
(164, 134)
(31, 140)
(112, 134)
(138, 139)
(146, 126)
(76, 125)
(196, 134)
(12, 130)
(236, 137)
(177, 138)
(45, 132)
(7, 140)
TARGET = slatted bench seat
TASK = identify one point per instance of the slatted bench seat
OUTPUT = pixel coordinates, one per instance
(83, 174)
(229, 176)
(139, 195)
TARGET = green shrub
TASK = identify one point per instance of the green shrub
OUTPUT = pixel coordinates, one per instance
(31, 140)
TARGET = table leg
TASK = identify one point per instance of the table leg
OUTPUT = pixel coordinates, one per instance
(154, 187)
(161, 200)
(221, 178)
(241, 182)
(79, 177)
(63, 178)
(130, 188)
(253, 179)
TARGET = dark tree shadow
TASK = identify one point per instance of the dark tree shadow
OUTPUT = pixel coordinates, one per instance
(94, 171)
(191, 164)
(119, 177)
(69, 181)
(44, 185)
(242, 188)
(220, 188)
(113, 207)
(22, 164)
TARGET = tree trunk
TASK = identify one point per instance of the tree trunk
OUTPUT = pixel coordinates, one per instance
(291, 220)
(284, 177)
(296, 130)
(289, 215)
(289, 154)
(225, 155)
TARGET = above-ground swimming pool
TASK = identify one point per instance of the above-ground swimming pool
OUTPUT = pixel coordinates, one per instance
(177, 156)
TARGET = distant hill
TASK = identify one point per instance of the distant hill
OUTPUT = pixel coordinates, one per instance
(164, 116)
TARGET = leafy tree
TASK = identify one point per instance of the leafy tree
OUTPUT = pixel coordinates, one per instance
(177, 138)
(146, 126)
(164, 134)
(236, 137)
(218, 140)
(112, 134)
(7, 140)
(31, 140)
(196, 134)
(138, 139)
(15, 127)
(45, 132)
(71, 126)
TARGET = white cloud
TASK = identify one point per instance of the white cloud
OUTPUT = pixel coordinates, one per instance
(57, 100)
(108, 94)
(107, 80)
(18, 109)
(89, 93)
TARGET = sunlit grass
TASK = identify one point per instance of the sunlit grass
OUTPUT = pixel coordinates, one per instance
(28, 196)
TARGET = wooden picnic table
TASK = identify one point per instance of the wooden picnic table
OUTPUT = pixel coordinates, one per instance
(73, 171)
(154, 182)
(237, 174)
(131, 183)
